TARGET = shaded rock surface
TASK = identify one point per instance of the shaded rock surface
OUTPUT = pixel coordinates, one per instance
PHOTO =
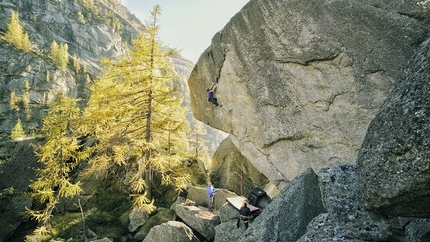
(300, 81)
(21, 164)
(347, 217)
(286, 217)
(171, 231)
(137, 218)
(394, 161)
(233, 171)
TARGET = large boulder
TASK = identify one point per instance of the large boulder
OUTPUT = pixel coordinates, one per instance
(200, 220)
(137, 218)
(233, 171)
(394, 160)
(171, 231)
(300, 80)
(286, 217)
(200, 196)
(347, 216)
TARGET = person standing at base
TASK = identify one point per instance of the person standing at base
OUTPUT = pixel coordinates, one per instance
(211, 194)
(244, 214)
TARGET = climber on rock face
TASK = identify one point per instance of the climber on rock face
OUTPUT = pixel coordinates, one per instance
(210, 92)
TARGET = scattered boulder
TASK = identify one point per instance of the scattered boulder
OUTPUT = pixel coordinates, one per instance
(162, 215)
(286, 217)
(200, 220)
(171, 231)
(394, 160)
(200, 197)
(227, 213)
(137, 218)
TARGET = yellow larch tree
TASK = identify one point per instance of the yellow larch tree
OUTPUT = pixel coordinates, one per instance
(135, 116)
(59, 156)
(15, 34)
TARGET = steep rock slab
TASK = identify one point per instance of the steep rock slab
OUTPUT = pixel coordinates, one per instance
(233, 171)
(394, 160)
(171, 231)
(286, 217)
(301, 80)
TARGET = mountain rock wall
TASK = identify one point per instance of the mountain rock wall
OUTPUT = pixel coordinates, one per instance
(47, 21)
(300, 81)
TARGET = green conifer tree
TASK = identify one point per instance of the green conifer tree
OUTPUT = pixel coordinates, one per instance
(81, 18)
(63, 56)
(76, 64)
(18, 131)
(55, 50)
(135, 115)
(13, 101)
(59, 54)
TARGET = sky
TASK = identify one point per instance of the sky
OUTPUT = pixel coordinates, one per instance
(187, 25)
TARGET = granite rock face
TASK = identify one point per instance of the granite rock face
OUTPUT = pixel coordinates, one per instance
(286, 217)
(394, 161)
(347, 217)
(300, 81)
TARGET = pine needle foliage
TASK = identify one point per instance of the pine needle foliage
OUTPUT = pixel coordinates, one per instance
(59, 155)
(15, 34)
(59, 54)
(136, 118)
(18, 131)
(198, 142)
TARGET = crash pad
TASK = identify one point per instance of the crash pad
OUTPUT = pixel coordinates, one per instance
(237, 203)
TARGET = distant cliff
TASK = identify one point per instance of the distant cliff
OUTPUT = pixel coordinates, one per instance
(105, 29)
(88, 40)
(300, 81)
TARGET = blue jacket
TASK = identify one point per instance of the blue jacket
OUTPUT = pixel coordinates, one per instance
(211, 191)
